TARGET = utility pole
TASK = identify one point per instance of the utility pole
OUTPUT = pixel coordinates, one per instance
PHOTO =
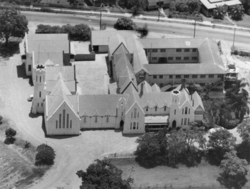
(194, 27)
(101, 17)
(234, 36)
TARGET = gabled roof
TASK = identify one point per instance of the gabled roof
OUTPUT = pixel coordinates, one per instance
(71, 85)
(68, 73)
(155, 88)
(159, 99)
(60, 87)
(121, 49)
(144, 87)
(48, 58)
(101, 104)
(115, 41)
(197, 101)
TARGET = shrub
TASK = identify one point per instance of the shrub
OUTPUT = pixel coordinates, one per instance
(143, 31)
(10, 133)
(45, 155)
(236, 12)
(124, 24)
(219, 12)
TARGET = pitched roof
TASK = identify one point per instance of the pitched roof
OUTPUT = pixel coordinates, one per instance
(159, 99)
(69, 84)
(197, 100)
(60, 87)
(91, 105)
(68, 73)
(211, 4)
(121, 49)
(49, 58)
(115, 41)
(156, 88)
(144, 87)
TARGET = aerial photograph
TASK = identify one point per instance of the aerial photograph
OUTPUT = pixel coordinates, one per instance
(124, 94)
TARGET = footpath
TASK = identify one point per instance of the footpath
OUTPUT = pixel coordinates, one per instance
(106, 13)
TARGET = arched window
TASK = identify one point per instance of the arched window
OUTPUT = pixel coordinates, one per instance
(186, 109)
(138, 115)
(174, 112)
(146, 108)
(85, 119)
(131, 126)
(107, 118)
(96, 118)
(67, 120)
(189, 111)
(40, 94)
(181, 121)
(165, 108)
(70, 123)
(40, 79)
(155, 108)
(137, 125)
(60, 121)
(182, 111)
(135, 113)
(56, 124)
(134, 125)
(63, 118)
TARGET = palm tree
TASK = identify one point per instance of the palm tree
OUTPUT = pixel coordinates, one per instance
(236, 12)
(219, 12)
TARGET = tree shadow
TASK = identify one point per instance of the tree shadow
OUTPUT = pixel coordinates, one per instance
(231, 184)
(9, 141)
(10, 50)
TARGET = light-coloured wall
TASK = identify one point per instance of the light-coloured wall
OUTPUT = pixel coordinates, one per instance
(156, 112)
(64, 130)
(134, 116)
(29, 61)
(100, 123)
(172, 53)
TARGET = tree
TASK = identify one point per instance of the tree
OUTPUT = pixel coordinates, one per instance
(219, 12)
(75, 2)
(10, 133)
(143, 31)
(220, 142)
(102, 174)
(13, 24)
(45, 155)
(234, 171)
(246, 5)
(124, 24)
(1, 119)
(137, 6)
(189, 6)
(236, 12)
(244, 129)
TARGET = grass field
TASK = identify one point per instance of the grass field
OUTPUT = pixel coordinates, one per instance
(17, 163)
(202, 177)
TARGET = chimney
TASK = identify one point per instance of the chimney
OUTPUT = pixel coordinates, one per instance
(141, 93)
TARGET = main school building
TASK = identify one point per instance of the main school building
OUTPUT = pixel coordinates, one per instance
(141, 68)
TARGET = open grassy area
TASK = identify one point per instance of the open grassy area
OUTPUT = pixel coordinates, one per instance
(17, 162)
(202, 177)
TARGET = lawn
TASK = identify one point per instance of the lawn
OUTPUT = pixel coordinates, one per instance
(202, 177)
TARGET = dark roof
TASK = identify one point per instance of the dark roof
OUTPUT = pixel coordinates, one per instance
(100, 105)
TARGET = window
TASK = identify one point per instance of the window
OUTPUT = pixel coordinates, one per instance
(107, 118)
(135, 113)
(178, 50)
(170, 58)
(194, 76)
(211, 76)
(96, 118)
(178, 58)
(134, 125)
(63, 118)
(189, 111)
(186, 50)
(137, 125)
(70, 123)
(67, 120)
(154, 58)
(182, 111)
(160, 76)
(154, 76)
(36, 78)
(185, 121)
(178, 76)
(170, 76)
(165, 108)
(37, 104)
(154, 50)
(138, 115)
(186, 58)
(155, 108)
(40, 94)
(203, 76)
(29, 68)
(40, 79)
(163, 50)
(220, 76)
(131, 114)
(85, 119)
(41, 104)
(146, 108)
(56, 124)
(194, 58)
(188, 121)
(174, 112)
(131, 126)
(60, 120)
(181, 121)
(186, 76)
(194, 50)
(186, 109)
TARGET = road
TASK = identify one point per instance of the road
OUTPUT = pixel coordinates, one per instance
(159, 27)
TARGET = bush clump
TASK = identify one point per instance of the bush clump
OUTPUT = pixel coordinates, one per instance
(80, 32)
(45, 155)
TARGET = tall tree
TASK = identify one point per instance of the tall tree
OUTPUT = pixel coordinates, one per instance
(102, 174)
(236, 12)
(219, 12)
(137, 6)
(220, 142)
(234, 171)
(12, 24)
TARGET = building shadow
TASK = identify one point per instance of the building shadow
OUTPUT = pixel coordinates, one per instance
(10, 50)
(32, 115)
(21, 73)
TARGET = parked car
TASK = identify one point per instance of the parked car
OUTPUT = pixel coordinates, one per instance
(30, 98)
